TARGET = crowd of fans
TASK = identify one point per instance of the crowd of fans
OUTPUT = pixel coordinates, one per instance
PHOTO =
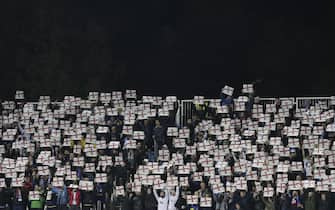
(119, 151)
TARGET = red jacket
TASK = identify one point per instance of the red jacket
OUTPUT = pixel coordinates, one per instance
(77, 197)
(28, 186)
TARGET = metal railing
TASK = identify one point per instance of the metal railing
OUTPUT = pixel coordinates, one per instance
(305, 102)
(186, 106)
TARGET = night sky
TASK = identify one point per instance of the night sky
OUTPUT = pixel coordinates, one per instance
(162, 47)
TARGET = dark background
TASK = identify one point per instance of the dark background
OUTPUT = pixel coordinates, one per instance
(162, 47)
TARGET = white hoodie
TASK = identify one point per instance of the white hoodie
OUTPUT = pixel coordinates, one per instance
(162, 202)
(173, 200)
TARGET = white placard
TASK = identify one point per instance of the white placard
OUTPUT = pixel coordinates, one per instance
(34, 195)
(228, 90)
(86, 185)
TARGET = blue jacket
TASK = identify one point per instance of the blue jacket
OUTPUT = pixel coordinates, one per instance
(226, 101)
(193, 207)
(62, 195)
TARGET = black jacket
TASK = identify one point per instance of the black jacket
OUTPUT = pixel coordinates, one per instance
(323, 205)
(137, 202)
(126, 203)
(5, 196)
(181, 203)
(88, 197)
(150, 202)
(15, 199)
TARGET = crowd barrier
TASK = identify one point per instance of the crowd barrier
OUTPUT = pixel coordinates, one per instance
(186, 111)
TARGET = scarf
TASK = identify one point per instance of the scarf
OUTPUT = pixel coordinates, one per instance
(18, 195)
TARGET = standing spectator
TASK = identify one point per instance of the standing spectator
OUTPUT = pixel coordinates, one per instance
(283, 201)
(220, 202)
(120, 173)
(158, 136)
(88, 200)
(27, 186)
(122, 202)
(226, 100)
(296, 203)
(62, 197)
(43, 182)
(323, 203)
(74, 198)
(203, 191)
(250, 103)
(162, 199)
(230, 200)
(243, 200)
(17, 200)
(100, 195)
(149, 200)
(35, 179)
(126, 202)
(332, 200)
(308, 164)
(147, 128)
(173, 198)
(137, 201)
(310, 201)
(269, 203)
(191, 124)
(115, 135)
(37, 204)
(182, 203)
(109, 186)
(139, 154)
(200, 110)
(258, 203)
(130, 159)
(51, 199)
(4, 199)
